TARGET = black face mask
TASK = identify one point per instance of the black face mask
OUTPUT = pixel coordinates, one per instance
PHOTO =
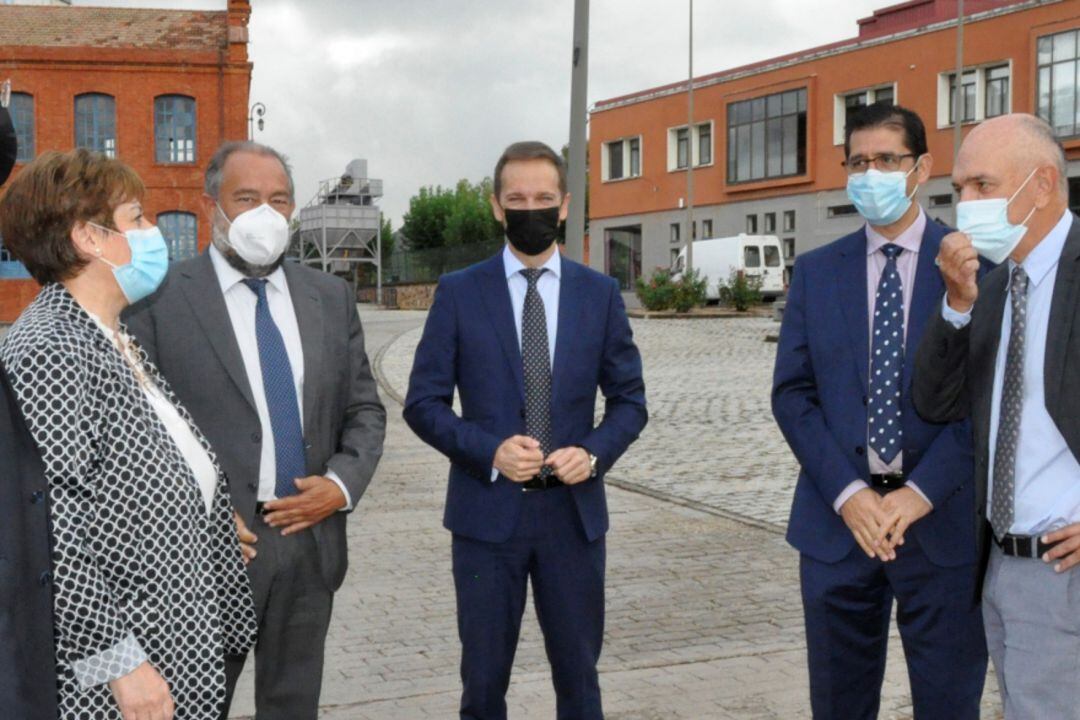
(532, 231)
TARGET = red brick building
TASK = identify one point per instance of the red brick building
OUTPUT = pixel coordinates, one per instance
(159, 89)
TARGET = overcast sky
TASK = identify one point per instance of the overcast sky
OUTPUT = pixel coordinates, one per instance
(431, 91)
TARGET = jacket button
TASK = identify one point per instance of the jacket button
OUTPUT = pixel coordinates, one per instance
(864, 400)
(859, 450)
(252, 487)
(256, 437)
(46, 578)
(37, 497)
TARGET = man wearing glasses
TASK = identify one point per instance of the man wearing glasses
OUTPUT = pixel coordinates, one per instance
(883, 502)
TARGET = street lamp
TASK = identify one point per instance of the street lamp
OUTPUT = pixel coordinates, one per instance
(257, 111)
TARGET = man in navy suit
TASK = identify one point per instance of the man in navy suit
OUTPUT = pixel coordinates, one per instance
(525, 338)
(884, 500)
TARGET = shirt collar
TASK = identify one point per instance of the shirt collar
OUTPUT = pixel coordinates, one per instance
(1044, 257)
(512, 265)
(910, 240)
(229, 277)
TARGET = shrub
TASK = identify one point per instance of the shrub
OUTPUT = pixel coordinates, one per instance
(690, 292)
(658, 292)
(740, 291)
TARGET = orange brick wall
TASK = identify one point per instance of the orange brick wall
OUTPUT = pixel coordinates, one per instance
(219, 82)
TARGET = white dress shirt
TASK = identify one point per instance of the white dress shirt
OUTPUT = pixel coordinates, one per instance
(202, 467)
(548, 288)
(1047, 474)
(240, 302)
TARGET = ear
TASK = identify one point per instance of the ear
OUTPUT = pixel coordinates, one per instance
(86, 240)
(1045, 181)
(496, 209)
(926, 166)
(209, 206)
(564, 208)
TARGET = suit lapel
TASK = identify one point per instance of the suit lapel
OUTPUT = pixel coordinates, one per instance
(568, 322)
(200, 285)
(495, 295)
(851, 285)
(985, 340)
(1062, 314)
(309, 317)
(927, 294)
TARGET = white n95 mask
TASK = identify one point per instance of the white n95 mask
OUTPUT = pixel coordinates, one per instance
(260, 235)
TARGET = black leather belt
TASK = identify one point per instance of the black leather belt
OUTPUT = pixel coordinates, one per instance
(1025, 546)
(544, 481)
(888, 483)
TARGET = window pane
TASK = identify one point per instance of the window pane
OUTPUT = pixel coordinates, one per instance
(174, 129)
(615, 160)
(706, 228)
(884, 95)
(743, 145)
(751, 224)
(95, 123)
(624, 255)
(790, 156)
(181, 237)
(789, 220)
(774, 136)
(758, 109)
(21, 109)
(732, 156)
(773, 103)
(1064, 46)
(1046, 45)
(757, 150)
(791, 102)
(704, 144)
(1064, 97)
(801, 94)
(770, 223)
(752, 256)
(1044, 93)
(675, 232)
(772, 256)
(635, 158)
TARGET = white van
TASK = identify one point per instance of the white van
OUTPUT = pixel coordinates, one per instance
(757, 256)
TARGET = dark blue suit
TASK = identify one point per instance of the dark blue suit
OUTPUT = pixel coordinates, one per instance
(503, 536)
(27, 654)
(820, 402)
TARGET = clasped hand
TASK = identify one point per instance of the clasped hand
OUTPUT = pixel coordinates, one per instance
(519, 458)
(879, 522)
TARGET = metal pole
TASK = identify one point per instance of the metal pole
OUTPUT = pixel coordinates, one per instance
(575, 223)
(690, 153)
(958, 133)
(378, 266)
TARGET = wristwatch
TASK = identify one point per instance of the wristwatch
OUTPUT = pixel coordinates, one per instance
(592, 464)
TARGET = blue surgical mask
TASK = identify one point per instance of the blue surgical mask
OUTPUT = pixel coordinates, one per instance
(149, 263)
(986, 222)
(881, 198)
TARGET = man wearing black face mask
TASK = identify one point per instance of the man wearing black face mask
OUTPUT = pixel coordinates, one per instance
(526, 338)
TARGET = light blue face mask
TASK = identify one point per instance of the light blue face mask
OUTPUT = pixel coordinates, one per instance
(881, 198)
(986, 222)
(149, 262)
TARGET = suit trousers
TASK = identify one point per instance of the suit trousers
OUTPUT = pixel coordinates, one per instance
(549, 548)
(1032, 617)
(848, 605)
(293, 606)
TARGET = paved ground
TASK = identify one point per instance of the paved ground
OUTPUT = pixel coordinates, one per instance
(704, 618)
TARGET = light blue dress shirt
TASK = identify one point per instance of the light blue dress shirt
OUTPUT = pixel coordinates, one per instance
(547, 286)
(1047, 473)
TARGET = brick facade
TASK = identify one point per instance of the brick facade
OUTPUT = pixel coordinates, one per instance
(134, 55)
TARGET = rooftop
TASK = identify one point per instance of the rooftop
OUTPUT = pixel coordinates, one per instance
(103, 27)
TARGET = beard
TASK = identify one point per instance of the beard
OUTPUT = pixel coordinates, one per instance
(219, 237)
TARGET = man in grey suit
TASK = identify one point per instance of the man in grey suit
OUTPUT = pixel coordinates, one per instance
(269, 359)
(998, 351)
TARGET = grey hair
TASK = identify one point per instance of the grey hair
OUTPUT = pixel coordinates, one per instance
(216, 169)
(1043, 134)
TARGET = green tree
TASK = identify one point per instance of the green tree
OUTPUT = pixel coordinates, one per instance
(425, 222)
(387, 239)
(439, 217)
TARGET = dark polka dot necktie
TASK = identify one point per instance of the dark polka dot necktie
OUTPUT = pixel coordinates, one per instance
(280, 390)
(536, 360)
(887, 360)
(1012, 403)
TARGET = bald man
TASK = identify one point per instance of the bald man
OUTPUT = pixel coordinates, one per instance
(999, 351)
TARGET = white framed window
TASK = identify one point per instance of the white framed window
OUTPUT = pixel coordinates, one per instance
(621, 159)
(984, 92)
(846, 104)
(681, 145)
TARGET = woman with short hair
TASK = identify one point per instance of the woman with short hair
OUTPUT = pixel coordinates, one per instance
(150, 591)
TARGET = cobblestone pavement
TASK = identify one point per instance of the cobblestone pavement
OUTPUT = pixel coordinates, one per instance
(704, 619)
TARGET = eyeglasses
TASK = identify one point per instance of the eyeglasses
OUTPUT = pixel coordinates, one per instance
(885, 162)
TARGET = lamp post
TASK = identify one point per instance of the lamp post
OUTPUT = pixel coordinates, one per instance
(257, 111)
(690, 152)
(575, 225)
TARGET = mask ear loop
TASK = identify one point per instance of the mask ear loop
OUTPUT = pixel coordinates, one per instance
(97, 250)
(1022, 186)
(908, 174)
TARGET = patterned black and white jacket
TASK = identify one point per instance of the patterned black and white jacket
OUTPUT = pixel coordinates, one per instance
(141, 571)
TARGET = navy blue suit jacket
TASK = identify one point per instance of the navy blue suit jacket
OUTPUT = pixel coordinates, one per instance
(819, 398)
(470, 343)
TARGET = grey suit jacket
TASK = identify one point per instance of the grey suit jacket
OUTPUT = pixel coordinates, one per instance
(954, 369)
(186, 330)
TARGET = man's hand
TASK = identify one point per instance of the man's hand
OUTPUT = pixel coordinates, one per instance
(247, 539)
(519, 458)
(1068, 549)
(903, 507)
(864, 517)
(959, 265)
(570, 464)
(143, 694)
(319, 498)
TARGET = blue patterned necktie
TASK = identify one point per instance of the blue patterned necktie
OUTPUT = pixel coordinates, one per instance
(280, 390)
(536, 362)
(887, 360)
